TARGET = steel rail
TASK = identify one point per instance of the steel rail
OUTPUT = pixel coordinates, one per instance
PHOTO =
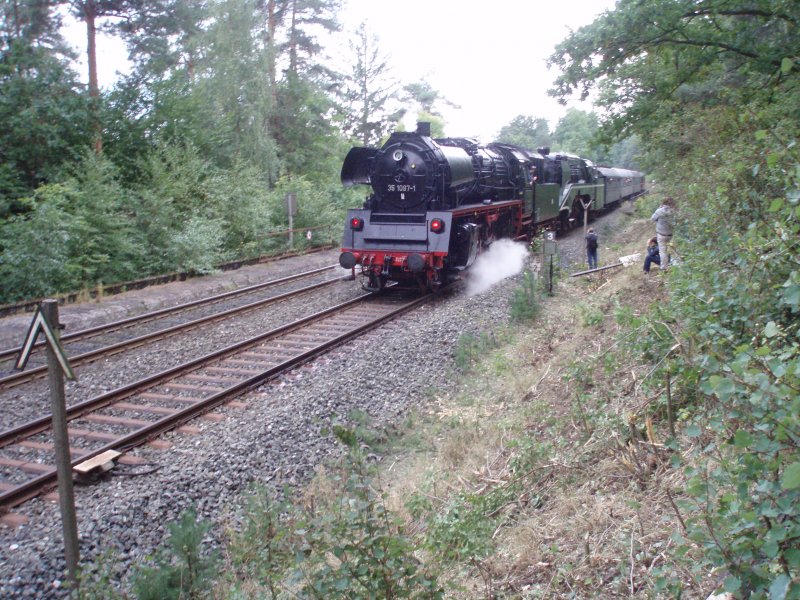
(34, 487)
(156, 314)
(7, 310)
(76, 410)
(40, 371)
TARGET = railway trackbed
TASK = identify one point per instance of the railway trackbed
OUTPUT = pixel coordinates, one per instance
(98, 342)
(136, 413)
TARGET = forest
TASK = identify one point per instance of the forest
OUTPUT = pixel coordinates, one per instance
(186, 162)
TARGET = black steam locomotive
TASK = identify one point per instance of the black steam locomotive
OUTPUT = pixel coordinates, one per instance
(437, 203)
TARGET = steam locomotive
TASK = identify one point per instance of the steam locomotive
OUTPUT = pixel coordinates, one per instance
(437, 203)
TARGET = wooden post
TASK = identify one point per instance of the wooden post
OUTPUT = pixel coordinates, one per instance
(291, 210)
(585, 206)
(670, 418)
(66, 493)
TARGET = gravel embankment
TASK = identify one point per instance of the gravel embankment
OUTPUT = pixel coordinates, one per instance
(275, 440)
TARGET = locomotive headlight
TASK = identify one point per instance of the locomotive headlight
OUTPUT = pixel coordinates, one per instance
(437, 226)
(397, 155)
(356, 224)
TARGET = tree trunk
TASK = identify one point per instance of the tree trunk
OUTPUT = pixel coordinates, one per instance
(272, 25)
(89, 16)
(293, 40)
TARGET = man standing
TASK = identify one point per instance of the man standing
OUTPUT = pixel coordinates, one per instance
(664, 218)
(591, 248)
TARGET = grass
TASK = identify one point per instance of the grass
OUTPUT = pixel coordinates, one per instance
(586, 505)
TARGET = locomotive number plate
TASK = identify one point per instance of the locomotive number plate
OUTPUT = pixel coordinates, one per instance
(392, 187)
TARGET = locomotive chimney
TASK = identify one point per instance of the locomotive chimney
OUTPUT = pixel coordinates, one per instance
(424, 128)
(544, 150)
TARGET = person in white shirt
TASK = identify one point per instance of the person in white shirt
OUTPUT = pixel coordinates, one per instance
(664, 219)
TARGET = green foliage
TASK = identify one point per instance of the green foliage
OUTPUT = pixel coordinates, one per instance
(183, 215)
(469, 348)
(97, 580)
(737, 368)
(42, 107)
(368, 97)
(344, 545)
(711, 89)
(306, 138)
(626, 153)
(650, 57)
(76, 234)
(35, 249)
(575, 132)
(196, 247)
(181, 570)
(193, 142)
(527, 132)
(198, 215)
(589, 315)
(358, 549)
(262, 548)
(461, 530)
(526, 300)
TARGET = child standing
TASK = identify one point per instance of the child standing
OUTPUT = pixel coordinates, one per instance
(591, 248)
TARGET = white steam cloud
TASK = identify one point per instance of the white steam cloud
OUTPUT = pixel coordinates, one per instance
(503, 259)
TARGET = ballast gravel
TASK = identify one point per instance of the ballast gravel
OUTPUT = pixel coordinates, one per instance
(278, 438)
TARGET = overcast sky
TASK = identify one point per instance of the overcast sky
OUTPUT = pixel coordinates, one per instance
(486, 56)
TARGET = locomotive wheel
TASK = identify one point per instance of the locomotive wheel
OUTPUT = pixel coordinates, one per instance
(503, 228)
(564, 219)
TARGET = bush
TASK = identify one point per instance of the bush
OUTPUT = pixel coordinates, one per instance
(340, 544)
(76, 234)
(526, 301)
(736, 302)
(469, 348)
(181, 570)
(197, 247)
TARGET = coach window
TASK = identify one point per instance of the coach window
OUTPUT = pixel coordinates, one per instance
(552, 172)
(532, 175)
(574, 172)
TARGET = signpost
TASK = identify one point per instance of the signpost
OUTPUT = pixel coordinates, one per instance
(585, 205)
(549, 250)
(46, 320)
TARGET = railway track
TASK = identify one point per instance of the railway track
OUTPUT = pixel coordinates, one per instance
(94, 343)
(7, 310)
(133, 414)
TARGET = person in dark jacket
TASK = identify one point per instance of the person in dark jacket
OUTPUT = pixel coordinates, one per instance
(652, 255)
(591, 248)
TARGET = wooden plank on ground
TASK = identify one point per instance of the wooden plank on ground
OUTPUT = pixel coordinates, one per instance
(102, 462)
